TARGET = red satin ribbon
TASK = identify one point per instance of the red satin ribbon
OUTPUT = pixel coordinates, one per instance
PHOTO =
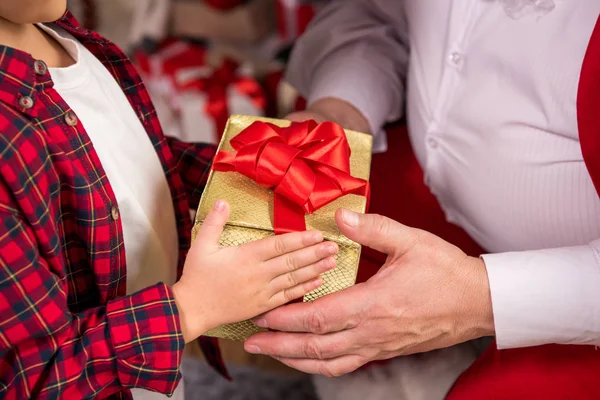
(306, 164)
(215, 86)
(177, 56)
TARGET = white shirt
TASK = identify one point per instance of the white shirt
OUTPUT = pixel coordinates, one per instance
(133, 169)
(491, 108)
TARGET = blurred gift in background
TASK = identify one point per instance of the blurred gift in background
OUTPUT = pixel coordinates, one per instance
(205, 59)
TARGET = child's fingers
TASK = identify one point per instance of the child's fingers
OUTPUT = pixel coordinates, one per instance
(293, 293)
(299, 258)
(278, 245)
(301, 275)
(211, 229)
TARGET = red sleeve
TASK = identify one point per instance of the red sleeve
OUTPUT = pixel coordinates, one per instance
(49, 352)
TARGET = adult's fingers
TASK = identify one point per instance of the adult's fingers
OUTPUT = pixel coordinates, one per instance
(377, 232)
(331, 368)
(335, 312)
(302, 345)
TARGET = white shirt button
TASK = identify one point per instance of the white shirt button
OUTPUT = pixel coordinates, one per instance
(432, 142)
(455, 58)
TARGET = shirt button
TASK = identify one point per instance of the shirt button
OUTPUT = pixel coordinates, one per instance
(431, 142)
(455, 58)
(26, 102)
(114, 212)
(40, 67)
(71, 118)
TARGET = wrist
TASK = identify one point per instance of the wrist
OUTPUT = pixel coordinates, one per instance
(189, 320)
(478, 302)
(341, 112)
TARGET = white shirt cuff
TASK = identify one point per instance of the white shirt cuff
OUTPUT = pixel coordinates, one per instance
(546, 296)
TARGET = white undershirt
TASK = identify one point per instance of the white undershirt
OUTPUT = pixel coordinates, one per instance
(133, 169)
(491, 107)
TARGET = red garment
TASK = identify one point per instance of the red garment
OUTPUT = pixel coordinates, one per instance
(67, 328)
(543, 372)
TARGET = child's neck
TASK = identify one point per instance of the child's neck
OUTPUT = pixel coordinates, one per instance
(30, 39)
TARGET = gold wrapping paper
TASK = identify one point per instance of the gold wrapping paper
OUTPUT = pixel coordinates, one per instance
(252, 213)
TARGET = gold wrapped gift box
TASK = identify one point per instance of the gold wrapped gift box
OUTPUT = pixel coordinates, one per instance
(252, 214)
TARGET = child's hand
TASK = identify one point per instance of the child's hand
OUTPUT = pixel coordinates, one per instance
(222, 285)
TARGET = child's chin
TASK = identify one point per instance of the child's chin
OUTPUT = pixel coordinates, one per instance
(36, 11)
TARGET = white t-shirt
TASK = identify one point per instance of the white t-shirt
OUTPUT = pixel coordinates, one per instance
(132, 166)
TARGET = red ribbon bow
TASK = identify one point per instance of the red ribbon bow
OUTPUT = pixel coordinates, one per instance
(306, 164)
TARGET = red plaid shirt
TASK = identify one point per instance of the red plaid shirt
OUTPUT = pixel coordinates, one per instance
(67, 328)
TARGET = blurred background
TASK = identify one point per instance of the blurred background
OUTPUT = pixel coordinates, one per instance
(203, 60)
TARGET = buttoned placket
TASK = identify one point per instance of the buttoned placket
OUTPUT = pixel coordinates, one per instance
(451, 78)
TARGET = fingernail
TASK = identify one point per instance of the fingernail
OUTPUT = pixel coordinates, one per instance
(317, 236)
(330, 263)
(350, 218)
(253, 349)
(332, 248)
(316, 283)
(261, 323)
(220, 205)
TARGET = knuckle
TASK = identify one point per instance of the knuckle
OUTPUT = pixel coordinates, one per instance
(288, 295)
(382, 225)
(331, 371)
(292, 280)
(290, 262)
(279, 245)
(312, 349)
(315, 322)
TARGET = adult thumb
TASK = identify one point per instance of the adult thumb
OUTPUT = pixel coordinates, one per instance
(375, 231)
(211, 229)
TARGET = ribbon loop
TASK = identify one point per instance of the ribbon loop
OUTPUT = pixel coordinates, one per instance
(306, 164)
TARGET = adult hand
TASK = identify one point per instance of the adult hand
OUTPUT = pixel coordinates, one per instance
(334, 110)
(428, 295)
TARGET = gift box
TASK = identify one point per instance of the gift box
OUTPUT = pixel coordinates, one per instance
(247, 22)
(195, 91)
(337, 162)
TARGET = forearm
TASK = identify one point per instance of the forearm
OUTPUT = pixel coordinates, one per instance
(361, 58)
(546, 296)
(51, 351)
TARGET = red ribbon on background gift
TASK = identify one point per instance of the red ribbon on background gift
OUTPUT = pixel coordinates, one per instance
(293, 16)
(223, 4)
(306, 164)
(176, 56)
(215, 86)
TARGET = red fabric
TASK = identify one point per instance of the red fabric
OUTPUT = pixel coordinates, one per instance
(223, 4)
(306, 164)
(69, 330)
(293, 18)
